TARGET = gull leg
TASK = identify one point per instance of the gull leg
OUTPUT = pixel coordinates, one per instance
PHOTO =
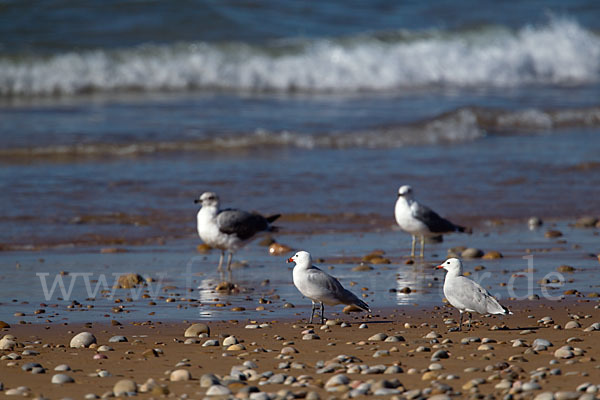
(312, 312)
(229, 257)
(412, 249)
(460, 321)
(422, 246)
(322, 313)
(220, 267)
(470, 321)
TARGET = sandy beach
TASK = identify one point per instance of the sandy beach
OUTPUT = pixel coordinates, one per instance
(407, 353)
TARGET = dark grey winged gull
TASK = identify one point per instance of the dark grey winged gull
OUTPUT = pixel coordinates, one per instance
(420, 220)
(320, 287)
(228, 230)
(466, 294)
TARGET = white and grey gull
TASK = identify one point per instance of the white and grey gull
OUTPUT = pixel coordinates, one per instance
(467, 295)
(229, 229)
(420, 220)
(321, 287)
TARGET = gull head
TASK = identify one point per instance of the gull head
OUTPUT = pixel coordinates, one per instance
(451, 265)
(301, 258)
(405, 191)
(208, 199)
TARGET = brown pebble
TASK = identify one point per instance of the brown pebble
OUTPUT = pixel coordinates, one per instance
(362, 267)
(492, 255)
(553, 234)
(203, 248)
(565, 268)
(112, 250)
(277, 249)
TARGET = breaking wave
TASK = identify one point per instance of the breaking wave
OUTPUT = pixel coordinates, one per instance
(561, 52)
(465, 124)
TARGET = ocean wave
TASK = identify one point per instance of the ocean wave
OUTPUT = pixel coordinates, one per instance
(560, 52)
(461, 125)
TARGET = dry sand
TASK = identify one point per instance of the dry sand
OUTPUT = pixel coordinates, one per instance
(493, 366)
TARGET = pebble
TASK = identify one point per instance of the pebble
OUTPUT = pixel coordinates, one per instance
(252, 326)
(471, 252)
(378, 337)
(218, 390)
(104, 374)
(104, 348)
(542, 342)
(363, 326)
(337, 380)
(432, 335)
(440, 354)
(30, 366)
(20, 391)
(7, 343)
(381, 353)
(395, 339)
(593, 327)
(544, 396)
(572, 325)
(289, 350)
(529, 386)
(124, 387)
(117, 339)
(236, 347)
(210, 342)
(62, 378)
(564, 352)
(180, 375)
(311, 336)
(229, 340)
(83, 339)
(208, 380)
(196, 330)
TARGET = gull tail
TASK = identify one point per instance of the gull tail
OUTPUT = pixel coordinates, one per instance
(463, 229)
(350, 298)
(506, 310)
(272, 218)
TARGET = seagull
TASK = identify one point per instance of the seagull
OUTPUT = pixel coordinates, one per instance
(420, 220)
(320, 287)
(228, 230)
(466, 294)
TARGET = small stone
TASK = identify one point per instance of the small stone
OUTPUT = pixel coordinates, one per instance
(337, 380)
(529, 386)
(59, 379)
(289, 350)
(117, 339)
(362, 267)
(586, 222)
(565, 268)
(180, 375)
(363, 326)
(229, 340)
(104, 348)
(30, 366)
(311, 336)
(378, 337)
(128, 281)
(534, 222)
(394, 339)
(440, 354)
(210, 342)
(492, 255)
(236, 347)
(124, 387)
(564, 352)
(196, 330)
(62, 368)
(471, 252)
(572, 325)
(553, 233)
(208, 380)
(544, 396)
(218, 390)
(83, 339)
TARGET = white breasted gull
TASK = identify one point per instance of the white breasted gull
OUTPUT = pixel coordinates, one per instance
(467, 295)
(320, 287)
(228, 230)
(420, 220)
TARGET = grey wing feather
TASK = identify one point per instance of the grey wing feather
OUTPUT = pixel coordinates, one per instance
(241, 223)
(476, 298)
(334, 286)
(434, 222)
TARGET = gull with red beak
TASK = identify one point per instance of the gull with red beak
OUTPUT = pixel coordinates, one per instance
(420, 220)
(320, 287)
(466, 294)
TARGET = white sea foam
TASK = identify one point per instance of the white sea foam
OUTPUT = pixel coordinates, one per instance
(560, 52)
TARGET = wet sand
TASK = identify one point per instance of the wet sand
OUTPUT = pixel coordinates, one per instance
(405, 366)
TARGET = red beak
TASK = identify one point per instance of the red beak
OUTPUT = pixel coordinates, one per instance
(290, 260)
(440, 267)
